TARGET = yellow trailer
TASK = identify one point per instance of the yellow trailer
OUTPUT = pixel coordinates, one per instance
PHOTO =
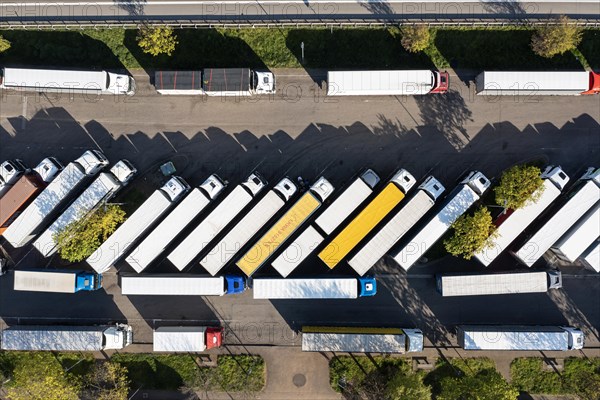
(367, 219)
(285, 227)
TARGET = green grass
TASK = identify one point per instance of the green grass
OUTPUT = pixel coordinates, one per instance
(170, 372)
(341, 48)
(579, 377)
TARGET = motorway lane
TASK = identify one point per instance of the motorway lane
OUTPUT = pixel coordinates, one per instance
(290, 10)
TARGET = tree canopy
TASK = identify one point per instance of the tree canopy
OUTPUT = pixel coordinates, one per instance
(106, 381)
(519, 185)
(156, 41)
(471, 233)
(415, 38)
(551, 40)
(4, 44)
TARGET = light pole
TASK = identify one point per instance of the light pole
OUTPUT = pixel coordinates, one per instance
(302, 48)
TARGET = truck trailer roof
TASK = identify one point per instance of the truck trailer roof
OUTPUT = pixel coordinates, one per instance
(353, 340)
(491, 284)
(40, 78)
(474, 337)
(318, 288)
(392, 82)
(178, 82)
(537, 82)
(585, 232)
(20, 193)
(179, 339)
(161, 285)
(226, 81)
(36, 281)
(55, 338)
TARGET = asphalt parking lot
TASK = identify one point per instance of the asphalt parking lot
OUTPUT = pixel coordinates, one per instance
(299, 132)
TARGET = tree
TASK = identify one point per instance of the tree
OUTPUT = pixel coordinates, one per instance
(471, 233)
(39, 377)
(407, 386)
(559, 38)
(415, 38)
(4, 44)
(106, 381)
(519, 185)
(156, 41)
(486, 384)
(81, 238)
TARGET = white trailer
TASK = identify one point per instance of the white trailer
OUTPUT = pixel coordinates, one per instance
(580, 200)
(533, 83)
(317, 288)
(186, 339)
(216, 221)
(66, 338)
(361, 340)
(52, 199)
(66, 81)
(456, 204)
(506, 337)
(144, 218)
(579, 237)
(158, 240)
(101, 190)
(327, 222)
(56, 281)
(386, 83)
(248, 226)
(512, 226)
(397, 227)
(181, 285)
(591, 257)
(489, 284)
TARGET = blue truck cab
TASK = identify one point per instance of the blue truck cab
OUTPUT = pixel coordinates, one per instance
(87, 281)
(235, 284)
(368, 286)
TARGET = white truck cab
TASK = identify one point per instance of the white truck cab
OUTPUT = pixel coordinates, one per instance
(175, 188)
(48, 168)
(212, 186)
(414, 340)
(556, 175)
(432, 187)
(123, 171)
(477, 181)
(118, 337)
(92, 162)
(286, 188)
(322, 188)
(404, 179)
(120, 84)
(576, 338)
(264, 82)
(10, 172)
(255, 183)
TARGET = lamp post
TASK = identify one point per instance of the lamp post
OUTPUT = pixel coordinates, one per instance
(302, 48)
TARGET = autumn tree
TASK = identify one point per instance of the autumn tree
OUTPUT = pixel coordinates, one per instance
(551, 40)
(415, 38)
(4, 44)
(39, 377)
(486, 384)
(407, 385)
(156, 41)
(106, 381)
(519, 185)
(471, 233)
(81, 238)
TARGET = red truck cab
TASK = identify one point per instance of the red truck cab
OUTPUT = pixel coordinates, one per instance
(442, 82)
(214, 338)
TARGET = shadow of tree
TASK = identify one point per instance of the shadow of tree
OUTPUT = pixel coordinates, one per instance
(505, 7)
(377, 7)
(133, 7)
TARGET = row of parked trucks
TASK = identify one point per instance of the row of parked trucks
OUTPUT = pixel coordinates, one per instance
(195, 339)
(248, 82)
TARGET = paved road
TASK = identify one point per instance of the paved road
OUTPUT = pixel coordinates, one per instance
(267, 11)
(299, 132)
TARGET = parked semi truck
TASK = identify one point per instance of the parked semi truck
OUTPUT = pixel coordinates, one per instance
(10, 172)
(316, 288)
(186, 339)
(161, 236)
(425, 198)
(456, 204)
(181, 285)
(386, 83)
(513, 223)
(248, 226)
(361, 340)
(66, 81)
(333, 216)
(580, 199)
(207, 230)
(533, 83)
(581, 236)
(57, 281)
(67, 338)
(505, 283)
(370, 216)
(54, 197)
(134, 227)
(591, 257)
(215, 82)
(101, 190)
(280, 232)
(506, 337)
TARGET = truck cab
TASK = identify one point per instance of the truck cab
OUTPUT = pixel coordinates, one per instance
(432, 187)
(404, 179)
(322, 188)
(477, 181)
(92, 162)
(212, 186)
(368, 286)
(235, 284)
(120, 84)
(263, 82)
(556, 175)
(48, 168)
(442, 82)
(286, 188)
(10, 172)
(123, 171)
(214, 338)
(554, 279)
(255, 183)
(414, 340)
(175, 188)
(118, 337)
(88, 281)
(576, 338)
